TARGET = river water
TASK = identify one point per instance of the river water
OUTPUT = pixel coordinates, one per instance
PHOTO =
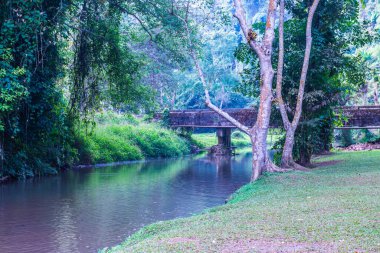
(89, 209)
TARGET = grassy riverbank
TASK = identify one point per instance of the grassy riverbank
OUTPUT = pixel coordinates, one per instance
(335, 208)
(126, 142)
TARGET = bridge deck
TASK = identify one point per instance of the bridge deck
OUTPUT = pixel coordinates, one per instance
(356, 117)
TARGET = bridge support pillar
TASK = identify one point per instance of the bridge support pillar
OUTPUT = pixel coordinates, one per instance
(224, 137)
(223, 148)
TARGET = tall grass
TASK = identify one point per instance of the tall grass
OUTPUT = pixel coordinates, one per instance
(112, 143)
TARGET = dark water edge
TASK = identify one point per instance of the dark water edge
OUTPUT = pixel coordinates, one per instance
(87, 209)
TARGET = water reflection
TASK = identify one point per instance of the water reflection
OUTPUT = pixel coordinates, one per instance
(84, 210)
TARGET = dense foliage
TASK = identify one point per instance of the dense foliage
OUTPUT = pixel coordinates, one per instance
(32, 113)
(62, 61)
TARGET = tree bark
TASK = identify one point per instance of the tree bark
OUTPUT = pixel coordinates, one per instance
(259, 133)
(280, 68)
(287, 152)
(290, 127)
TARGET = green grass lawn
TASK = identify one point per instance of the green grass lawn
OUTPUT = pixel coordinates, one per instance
(335, 208)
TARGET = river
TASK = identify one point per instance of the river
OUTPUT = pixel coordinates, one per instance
(85, 210)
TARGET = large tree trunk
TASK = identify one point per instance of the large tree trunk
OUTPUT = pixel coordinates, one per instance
(259, 133)
(259, 153)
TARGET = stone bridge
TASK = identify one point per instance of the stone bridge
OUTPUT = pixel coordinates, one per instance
(353, 117)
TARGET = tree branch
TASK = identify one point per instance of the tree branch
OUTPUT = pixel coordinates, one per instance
(123, 9)
(142, 25)
(305, 66)
(269, 27)
(209, 104)
(280, 67)
(241, 17)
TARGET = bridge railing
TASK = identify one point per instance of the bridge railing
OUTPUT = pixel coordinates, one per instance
(359, 116)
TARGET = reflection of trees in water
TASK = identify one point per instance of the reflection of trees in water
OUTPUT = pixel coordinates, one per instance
(139, 192)
(223, 165)
(145, 172)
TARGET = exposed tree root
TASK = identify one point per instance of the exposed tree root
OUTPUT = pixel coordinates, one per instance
(295, 166)
(271, 167)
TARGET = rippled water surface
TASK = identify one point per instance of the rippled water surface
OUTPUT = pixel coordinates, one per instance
(88, 209)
